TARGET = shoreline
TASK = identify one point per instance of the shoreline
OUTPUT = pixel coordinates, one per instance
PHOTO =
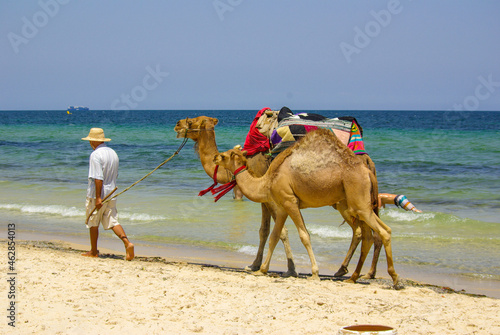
(231, 259)
(105, 253)
(60, 291)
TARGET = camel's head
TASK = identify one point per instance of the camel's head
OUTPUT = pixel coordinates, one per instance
(191, 128)
(232, 159)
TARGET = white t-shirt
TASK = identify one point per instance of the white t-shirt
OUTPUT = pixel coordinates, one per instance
(103, 165)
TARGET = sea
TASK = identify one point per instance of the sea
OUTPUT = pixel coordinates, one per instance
(447, 163)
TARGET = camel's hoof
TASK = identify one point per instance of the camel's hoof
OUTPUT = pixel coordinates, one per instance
(289, 273)
(368, 276)
(350, 281)
(258, 273)
(252, 268)
(342, 271)
(314, 278)
(398, 285)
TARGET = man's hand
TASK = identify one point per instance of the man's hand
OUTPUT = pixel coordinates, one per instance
(98, 203)
(98, 192)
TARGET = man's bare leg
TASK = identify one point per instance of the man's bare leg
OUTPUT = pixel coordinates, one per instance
(129, 246)
(94, 235)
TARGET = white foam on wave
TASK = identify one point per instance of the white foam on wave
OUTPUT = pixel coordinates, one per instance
(248, 250)
(45, 209)
(140, 216)
(65, 211)
(400, 215)
(329, 231)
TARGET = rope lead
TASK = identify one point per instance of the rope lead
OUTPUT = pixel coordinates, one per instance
(137, 182)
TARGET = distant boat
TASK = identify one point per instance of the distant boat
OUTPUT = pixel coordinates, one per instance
(77, 108)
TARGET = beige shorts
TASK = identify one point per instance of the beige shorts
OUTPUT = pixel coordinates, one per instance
(107, 215)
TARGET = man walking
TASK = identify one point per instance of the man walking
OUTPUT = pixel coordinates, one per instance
(103, 171)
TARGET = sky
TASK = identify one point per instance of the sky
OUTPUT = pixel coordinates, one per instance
(250, 54)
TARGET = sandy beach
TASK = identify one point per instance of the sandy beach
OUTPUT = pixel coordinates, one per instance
(60, 292)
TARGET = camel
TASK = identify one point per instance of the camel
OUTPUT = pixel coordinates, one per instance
(317, 171)
(202, 131)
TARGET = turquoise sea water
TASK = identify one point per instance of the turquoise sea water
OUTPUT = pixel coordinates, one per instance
(446, 163)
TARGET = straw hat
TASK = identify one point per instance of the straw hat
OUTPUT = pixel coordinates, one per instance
(97, 135)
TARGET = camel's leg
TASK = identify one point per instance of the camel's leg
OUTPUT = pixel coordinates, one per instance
(295, 214)
(356, 238)
(376, 253)
(273, 208)
(289, 256)
(273, 240)
(265, 227)
(384, 232)
(237, 194)
(366, 244)
(267, 209)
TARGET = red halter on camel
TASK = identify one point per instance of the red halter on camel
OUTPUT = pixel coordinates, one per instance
(223, 189)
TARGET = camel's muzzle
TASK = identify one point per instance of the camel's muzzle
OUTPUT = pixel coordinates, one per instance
(181, 132)
(217, 159)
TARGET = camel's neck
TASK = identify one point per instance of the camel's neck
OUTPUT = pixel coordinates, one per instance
(207, 149)
(254, 188)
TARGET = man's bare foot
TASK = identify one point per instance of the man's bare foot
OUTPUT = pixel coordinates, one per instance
(130, 252)
(91, 254)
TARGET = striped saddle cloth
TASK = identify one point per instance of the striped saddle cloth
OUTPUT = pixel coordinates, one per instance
(293, 127)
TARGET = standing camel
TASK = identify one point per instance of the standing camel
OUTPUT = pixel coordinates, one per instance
(201, 131)
(317, 171)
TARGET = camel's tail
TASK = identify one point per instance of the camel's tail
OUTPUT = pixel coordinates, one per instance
(374, 193)
(373, 178)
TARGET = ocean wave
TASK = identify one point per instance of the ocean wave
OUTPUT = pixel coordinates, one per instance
(64, 211)
(407, 216)
(248, 250)
(45, 209)
(141, 217)
(329, 231)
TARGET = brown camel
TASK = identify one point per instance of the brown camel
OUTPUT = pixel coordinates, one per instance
(201, 131)
(317, 171)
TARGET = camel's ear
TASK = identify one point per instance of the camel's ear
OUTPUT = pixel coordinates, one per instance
(244, 152)
(215, 121)
(237, 146)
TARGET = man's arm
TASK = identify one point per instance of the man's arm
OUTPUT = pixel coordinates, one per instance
(98, 190)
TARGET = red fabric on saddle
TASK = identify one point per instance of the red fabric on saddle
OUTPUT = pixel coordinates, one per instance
(255, 141)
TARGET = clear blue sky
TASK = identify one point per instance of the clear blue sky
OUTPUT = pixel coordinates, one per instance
(249, 54)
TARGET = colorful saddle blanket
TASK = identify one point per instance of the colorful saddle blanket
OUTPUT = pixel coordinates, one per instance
(292, 127)
(275, 131)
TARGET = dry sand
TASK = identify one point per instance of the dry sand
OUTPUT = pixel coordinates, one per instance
(60, 292)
